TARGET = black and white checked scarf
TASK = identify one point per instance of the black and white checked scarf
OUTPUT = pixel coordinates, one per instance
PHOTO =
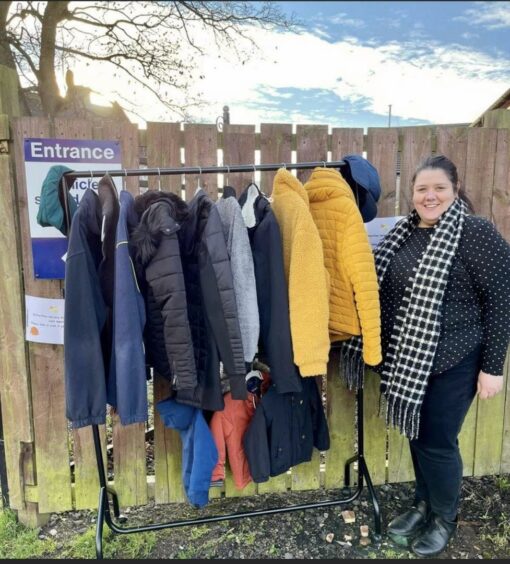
(415, 335)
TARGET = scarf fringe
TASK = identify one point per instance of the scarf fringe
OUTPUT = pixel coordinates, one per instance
(403, 416)
(352, 367)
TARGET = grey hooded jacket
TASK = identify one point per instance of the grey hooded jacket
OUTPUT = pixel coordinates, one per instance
(241, 263)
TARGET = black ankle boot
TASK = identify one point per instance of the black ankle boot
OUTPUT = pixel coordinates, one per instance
(435, 537)
(403, 528)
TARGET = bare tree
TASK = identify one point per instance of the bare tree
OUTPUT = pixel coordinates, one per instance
(153, 44)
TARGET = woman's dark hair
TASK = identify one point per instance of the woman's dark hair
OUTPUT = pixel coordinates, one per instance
(446, 165)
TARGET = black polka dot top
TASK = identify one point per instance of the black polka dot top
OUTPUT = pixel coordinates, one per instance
(476, 305)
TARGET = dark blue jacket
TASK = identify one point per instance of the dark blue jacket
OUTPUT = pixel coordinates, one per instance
(284, 430)
(199, 453)
(127, 384)
(275, 344)
(84, 317)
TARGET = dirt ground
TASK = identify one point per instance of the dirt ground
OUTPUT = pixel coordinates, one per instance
(483, 532)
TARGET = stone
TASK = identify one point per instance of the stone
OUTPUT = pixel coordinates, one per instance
(349, 516)
(330, 537)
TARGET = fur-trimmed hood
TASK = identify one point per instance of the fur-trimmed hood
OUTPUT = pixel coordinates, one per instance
(161, 214)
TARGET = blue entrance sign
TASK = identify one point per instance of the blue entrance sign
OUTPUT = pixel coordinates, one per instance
(49, 246)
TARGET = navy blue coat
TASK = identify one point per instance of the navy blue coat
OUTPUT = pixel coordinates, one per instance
(275, 343)
(284, 430)
(84, 317)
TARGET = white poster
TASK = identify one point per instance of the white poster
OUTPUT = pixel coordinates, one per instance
(44, 320)
(379, 227)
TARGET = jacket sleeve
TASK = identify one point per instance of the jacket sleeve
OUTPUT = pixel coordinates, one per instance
(357, 256)
(488, 264)
(319, 422)
(165, 277)
(309, 300)
(241, 261)
(274, 307)
(130, 378)
(220, 303)
(85, 314)
(217, 427)
(256, 446)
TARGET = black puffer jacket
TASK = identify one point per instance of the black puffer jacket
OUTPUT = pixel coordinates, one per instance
(155, 246)
(212, 310)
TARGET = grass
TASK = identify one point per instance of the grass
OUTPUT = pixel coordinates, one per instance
(138, 545)
(503, 482)
(20, 542)
(500, 539)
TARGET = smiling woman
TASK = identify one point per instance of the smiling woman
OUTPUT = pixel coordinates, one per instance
(445, 293)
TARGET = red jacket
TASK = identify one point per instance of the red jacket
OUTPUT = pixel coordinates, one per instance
(228, 428)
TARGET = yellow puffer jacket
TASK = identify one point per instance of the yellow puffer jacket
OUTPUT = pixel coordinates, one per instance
(306, 275)
(354, 293)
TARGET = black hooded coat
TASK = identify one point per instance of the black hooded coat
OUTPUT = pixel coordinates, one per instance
(212, 308)
(155, 248)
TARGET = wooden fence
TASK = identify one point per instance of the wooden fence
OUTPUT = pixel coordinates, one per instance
(40, 447)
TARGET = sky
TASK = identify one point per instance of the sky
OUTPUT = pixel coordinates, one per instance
(433, 62)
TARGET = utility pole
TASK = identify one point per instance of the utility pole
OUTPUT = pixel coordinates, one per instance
(389, 115)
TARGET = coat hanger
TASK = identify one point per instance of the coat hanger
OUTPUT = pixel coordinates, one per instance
(198, 188)
(228, 191)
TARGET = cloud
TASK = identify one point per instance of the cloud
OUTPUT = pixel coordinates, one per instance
(491, 15)
(436, 83)
(343, 19)
(286, 78)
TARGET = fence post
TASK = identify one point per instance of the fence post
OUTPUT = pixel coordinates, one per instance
(15, 382)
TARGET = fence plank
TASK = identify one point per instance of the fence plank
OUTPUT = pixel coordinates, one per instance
(467, 439)
(201, 149)
(232, 491)
(130, 473)
(501, 218)
(505, 447)
(375, 429)
(480, 165)
(275, 147)
(346, 141)
(501, 192)
(86, 479)
(312, 145)
(14, 383)
(239, 148)
(489, 434)
(46, 361)
(481, 155)
(129, 440)
(341, 404)
(382, 148)
(452, 143)
(417, 144)
(167, 452)
(164, 150)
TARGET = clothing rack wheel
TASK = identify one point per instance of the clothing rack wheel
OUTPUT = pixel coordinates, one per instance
(104, 513)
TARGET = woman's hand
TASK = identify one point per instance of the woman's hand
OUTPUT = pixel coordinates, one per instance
(488, 385)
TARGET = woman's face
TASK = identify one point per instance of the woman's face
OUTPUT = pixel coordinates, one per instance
(433, 194)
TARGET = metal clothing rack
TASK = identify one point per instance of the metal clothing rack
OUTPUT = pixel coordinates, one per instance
(104, 512)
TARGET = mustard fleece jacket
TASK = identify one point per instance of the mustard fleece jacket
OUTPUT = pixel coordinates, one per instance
(307, 278)
(354, 292)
